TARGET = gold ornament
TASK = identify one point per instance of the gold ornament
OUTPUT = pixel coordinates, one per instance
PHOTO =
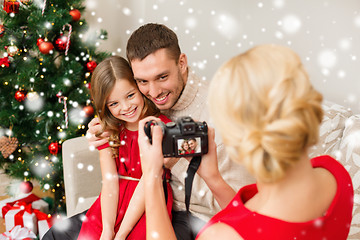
(12, 50)
(26, 2)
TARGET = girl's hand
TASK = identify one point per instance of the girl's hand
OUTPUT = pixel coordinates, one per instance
(152, 159)
(107, 235)
(120, 236)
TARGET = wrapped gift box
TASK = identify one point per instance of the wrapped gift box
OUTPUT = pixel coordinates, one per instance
(36, 202)
(22, 215)
(44, 222)
(18, 232)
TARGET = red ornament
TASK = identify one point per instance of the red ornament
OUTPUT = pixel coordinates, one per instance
(75, 14)
(2, 30)
(11, 6)
(54, 148)
(39, 41)
(45, 47)
(26, 187)
(88, 85)
(20, 96)
(4, 62)
(61, 42)
(88, 110)
(91, 66)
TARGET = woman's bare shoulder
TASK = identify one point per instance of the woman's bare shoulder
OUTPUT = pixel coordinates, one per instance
(220, 231)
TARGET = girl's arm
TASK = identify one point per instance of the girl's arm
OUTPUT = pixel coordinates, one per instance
(109, 193)
(133, 213)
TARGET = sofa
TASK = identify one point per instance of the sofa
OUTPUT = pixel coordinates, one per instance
(339, 137)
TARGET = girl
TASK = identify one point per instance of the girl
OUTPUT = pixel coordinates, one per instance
(184, 148)
(120, 106)
(269, 115)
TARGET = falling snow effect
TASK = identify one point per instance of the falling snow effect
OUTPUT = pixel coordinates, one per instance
(210, 34)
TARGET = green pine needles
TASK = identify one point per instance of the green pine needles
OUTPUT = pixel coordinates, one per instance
(44, 86)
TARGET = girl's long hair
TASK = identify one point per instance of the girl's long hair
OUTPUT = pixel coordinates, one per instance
(103, 80)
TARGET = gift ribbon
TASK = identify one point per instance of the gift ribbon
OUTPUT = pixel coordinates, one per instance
(29, 199)
(43, 216)
(24, 207)
(18, 232)
(27, 208)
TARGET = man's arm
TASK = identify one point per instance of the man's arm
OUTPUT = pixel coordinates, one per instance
(94, 127)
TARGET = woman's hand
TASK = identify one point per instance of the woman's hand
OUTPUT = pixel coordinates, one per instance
(208, 169)
(152, 160)
(95, 127)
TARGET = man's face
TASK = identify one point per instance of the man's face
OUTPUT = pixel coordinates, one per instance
(160, 79)
(192, 144)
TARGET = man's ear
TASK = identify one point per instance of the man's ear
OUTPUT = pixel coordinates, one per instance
(183, 63)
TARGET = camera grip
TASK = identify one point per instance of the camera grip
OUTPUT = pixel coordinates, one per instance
(147, 129)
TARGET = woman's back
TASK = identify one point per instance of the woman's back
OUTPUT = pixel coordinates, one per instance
(334, 224)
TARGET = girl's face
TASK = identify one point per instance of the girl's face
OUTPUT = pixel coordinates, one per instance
(126, 103)
(186, 146)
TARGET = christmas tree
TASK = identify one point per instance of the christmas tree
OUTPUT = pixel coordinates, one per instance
(47, 57)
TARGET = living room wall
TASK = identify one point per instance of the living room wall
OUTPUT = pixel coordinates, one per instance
(325, 33)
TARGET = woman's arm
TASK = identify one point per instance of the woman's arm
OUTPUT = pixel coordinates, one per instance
(158, 224)
(109, 193)
(134, 211)
(209, 171)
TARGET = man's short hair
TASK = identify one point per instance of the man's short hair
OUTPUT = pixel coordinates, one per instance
(151, 37)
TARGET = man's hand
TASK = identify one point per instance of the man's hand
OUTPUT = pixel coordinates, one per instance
(95, 127)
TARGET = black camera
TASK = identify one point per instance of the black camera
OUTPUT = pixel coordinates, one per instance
(182, 138)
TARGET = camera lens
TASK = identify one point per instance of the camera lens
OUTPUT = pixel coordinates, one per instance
(171, 124)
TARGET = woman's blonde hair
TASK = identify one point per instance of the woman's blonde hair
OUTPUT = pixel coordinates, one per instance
(103, 80)
(266, 109)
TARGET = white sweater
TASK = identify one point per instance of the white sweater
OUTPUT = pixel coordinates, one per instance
(193, 103)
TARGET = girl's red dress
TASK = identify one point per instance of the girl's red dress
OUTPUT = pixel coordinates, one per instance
(128, 164)
(334, 225)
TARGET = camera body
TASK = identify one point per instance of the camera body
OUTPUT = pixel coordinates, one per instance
(182, 138)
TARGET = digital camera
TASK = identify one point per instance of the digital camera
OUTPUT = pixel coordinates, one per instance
(182, 138)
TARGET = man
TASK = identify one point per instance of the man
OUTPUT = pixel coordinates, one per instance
(194, 147)
(162, 75)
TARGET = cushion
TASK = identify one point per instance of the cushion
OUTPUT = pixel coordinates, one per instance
(349, 156)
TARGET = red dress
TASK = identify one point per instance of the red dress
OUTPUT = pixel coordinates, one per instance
(128, 164)
(334, 225)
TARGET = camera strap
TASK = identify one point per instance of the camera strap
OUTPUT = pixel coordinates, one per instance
(165, 187)
(190, 173)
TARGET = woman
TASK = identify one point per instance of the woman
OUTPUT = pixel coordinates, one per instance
(268, 114)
